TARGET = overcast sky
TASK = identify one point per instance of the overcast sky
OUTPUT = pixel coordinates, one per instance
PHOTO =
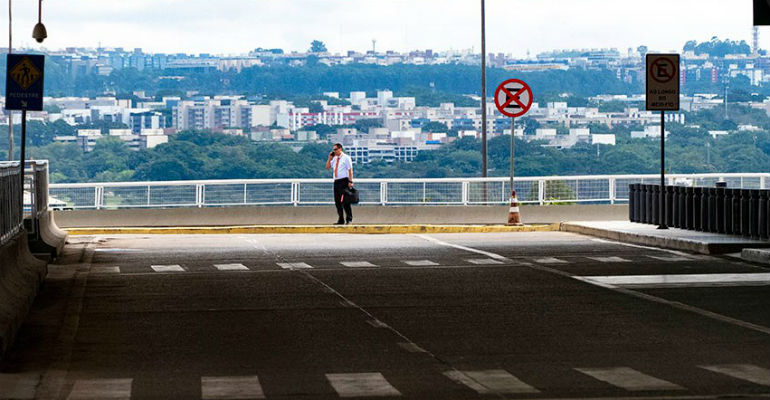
(513, 26)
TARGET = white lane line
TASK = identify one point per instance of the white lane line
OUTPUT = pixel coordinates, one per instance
(420, 263)
(411, 347)
(292, 266)
(629, 379)
(484, 261)
(681, 280)
(377, 323)
(357, 264)
(671, 258)
(115, 250)
(746, 372)
(167, 268)
(231, 267)
(491, 381)
(105, 270)
(549, 260)
(457, 246)
(609, 259)
(18, 386)
(102, 389)
(231, 387)
(362, 385)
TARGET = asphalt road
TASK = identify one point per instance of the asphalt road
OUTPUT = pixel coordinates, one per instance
(449, 316)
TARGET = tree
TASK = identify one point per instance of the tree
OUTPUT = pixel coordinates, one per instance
(434, 126)
(317, 46)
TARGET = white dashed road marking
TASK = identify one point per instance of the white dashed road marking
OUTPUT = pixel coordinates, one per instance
(609, 259)
(420, 263)
(680, 280)
(231, 387)
(484, 261)
(629, 379)
(102, 389)
(671, 258)
(746, 372)
(299, 265)
(230, 267)
(550, 260)
(491, 381)
(362, 385)
(168, 268)
(18, 386)
(357, 264)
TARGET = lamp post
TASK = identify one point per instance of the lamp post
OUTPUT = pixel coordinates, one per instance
(483, 95)
(10, 49)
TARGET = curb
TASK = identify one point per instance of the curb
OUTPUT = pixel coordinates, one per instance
(360, 229)
(760, 256)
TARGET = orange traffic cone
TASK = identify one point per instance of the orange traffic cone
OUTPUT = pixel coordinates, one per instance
(514, 218)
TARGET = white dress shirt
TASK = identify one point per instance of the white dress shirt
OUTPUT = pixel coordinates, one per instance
(341, 165)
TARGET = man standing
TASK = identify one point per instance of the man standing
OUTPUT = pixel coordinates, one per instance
(343, 179)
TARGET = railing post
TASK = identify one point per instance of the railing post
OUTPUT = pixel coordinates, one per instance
(541, 191)
(295, 193)
(245, 200)
(613, 187)
(199, 195)
(383, 193)
(465, 186)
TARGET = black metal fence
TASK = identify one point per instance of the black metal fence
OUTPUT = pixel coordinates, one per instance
(11, 216)
(743, 212)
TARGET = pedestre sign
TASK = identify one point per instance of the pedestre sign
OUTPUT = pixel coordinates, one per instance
(663, 82)
(24, 82)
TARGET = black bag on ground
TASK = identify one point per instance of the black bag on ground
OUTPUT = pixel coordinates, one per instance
(350, 196)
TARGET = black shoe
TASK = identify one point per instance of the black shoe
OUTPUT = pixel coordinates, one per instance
(340, 222)
(348, 222)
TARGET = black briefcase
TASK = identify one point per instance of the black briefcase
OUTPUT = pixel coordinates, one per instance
(350, 195)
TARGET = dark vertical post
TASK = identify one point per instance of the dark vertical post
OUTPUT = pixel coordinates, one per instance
(662, 206)
(513, 131)
(483, 94)
(22, 155)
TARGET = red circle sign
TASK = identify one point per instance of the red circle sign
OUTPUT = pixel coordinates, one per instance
(663, 70)
(513, 98)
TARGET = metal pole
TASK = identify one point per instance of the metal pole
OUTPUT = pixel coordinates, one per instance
(483, 94)
(513, 123)
(22, 155)
(10, 49)
(662, 197)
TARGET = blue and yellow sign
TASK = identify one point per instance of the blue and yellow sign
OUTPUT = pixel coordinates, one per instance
(24, 82)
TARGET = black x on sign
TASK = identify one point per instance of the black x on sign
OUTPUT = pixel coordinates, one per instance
(513, 98)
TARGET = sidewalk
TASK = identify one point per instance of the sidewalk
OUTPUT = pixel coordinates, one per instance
(677, 239)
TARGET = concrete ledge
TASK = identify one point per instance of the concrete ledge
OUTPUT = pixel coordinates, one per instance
(676, 239)
(20, 277)
(321, 215)
(367, 229)
(49, 240)
(761, 256)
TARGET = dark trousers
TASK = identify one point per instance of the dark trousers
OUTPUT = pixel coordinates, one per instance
(339, 189)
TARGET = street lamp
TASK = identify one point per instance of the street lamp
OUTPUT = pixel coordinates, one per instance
(39, 32)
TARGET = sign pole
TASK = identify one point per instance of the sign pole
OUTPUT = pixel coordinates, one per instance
(662, 197)
(513, 124)
(22, 149)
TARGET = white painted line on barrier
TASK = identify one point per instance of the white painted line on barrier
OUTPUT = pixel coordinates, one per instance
(681, 280)
(491, 381)
(357, 264)
(420, 263)
(362, 385)
(746, 372)
(484, 261)
(167, 268)
(19, 386)
(231, 267)
(609, 259)
(102, 389)
(629, 379)
(299, 265)
(550, 260)
(231, 387)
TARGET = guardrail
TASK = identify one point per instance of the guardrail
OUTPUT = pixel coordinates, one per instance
(11, 217)
(595, 189)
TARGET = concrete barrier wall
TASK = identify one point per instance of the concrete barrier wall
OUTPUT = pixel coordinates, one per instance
(230, 216)
(20, 277)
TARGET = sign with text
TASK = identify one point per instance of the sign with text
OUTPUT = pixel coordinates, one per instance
(513, 98)
(663, 82)
(24, 82)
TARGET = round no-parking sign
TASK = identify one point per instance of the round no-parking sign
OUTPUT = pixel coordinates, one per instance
(513, 98)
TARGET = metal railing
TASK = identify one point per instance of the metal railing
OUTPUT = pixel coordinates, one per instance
(11, 217)
(597, 189)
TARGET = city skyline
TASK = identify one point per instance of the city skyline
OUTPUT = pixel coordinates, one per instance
(238, 26)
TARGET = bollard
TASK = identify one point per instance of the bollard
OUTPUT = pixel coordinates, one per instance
(689, 193)
(720, 209)
(643, 204)
(648, 208)
(728, 206)
(762, 214)
(638, 202)
(670, 205)
(631, 202)
(704, 210)
(754, 214)
(745, 212)
(712, 210)
(674, 207)
(655, 204)
(737, 211)
(682, 200)
(696, 205)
